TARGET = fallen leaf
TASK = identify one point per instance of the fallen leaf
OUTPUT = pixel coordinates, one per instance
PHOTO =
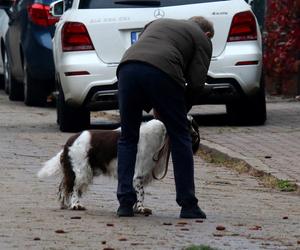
(220, 228)
(182, 223)
(37, 238)
(122, 239)
(285, 217)
(185, 229)
(199, 221)
(60, 231)
(109, 224)
(76, 218)
(135, 243)
(167, 223)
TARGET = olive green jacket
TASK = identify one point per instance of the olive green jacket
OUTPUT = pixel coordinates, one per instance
(178, 47)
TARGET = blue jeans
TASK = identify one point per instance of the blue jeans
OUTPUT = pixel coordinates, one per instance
(142, 85)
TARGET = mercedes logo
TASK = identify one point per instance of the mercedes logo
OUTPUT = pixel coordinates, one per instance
(159, 13)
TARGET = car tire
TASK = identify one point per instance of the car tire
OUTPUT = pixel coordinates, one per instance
(15, 88)
(1, 81)
(250, 111)
(71, 119)
(6, 73)
(35, 93)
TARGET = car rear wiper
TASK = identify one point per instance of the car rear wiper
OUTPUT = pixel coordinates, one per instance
(139, 2)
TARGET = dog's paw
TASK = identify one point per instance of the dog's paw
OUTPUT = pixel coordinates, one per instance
(143, 210)
(78, 207)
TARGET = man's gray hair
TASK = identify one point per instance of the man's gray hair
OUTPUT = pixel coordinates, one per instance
(205, 25)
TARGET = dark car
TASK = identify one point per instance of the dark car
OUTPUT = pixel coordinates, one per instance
(3, 58)
(30, 67)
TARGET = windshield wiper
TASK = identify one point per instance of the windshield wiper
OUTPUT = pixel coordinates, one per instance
(139, 2)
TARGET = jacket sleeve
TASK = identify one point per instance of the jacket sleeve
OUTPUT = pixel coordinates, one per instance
(196, 72)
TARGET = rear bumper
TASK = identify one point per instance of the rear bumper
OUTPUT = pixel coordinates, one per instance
(220, 91)
(97, 90)
(216, 91)
(102, 98)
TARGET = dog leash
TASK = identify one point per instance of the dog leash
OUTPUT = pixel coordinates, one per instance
(165, 149)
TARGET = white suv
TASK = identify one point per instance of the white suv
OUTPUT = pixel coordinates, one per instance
(92, 36)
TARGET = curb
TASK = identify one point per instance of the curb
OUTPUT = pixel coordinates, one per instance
(254, 166)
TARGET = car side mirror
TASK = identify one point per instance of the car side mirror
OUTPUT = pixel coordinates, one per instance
(6, 4)
(57, 8)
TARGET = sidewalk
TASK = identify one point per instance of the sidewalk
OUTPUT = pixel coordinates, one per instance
(273, 148)
(242, 213)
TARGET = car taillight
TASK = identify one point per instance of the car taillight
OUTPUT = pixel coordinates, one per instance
(243, 27)
(75, 37)
(39, 15)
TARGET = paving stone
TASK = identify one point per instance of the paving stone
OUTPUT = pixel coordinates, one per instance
(31, 219)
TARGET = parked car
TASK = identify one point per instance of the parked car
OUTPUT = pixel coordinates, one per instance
(92, 36)
(3, 56)
(30, 66)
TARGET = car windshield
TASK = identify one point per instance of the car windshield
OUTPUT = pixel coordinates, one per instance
(96, 4)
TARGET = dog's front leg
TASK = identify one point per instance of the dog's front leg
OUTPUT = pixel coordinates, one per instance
(139, 189)
(75, 201)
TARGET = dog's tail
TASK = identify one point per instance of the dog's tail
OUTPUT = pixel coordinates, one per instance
(51, 167)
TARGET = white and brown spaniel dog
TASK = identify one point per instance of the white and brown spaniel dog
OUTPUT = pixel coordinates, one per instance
(94, 152)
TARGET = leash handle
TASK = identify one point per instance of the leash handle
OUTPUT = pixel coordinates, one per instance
(164, 150)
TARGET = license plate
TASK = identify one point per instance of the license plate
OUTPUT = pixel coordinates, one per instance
(135, 36)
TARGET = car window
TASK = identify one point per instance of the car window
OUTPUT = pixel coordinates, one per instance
(46, 2)
(96, 4)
